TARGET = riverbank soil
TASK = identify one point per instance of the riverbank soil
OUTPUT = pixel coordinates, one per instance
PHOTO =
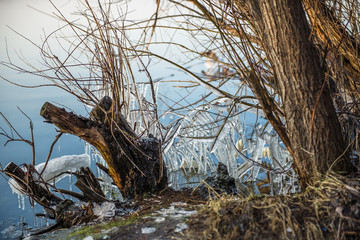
(329, 210)
(160, 216)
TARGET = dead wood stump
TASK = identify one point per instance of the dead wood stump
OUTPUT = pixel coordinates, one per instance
(134, 163)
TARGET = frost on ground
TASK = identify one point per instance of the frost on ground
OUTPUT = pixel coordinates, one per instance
(180, 227)
(147, 230)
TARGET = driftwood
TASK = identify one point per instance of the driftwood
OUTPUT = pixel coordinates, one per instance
(37, 190)
(134, 163)
(31, 187)
(89, 185)
(65, 212)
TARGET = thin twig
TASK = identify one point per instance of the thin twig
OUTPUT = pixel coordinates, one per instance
(50, 151)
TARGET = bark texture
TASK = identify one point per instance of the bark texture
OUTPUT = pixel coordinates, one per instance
(334, 37)
(313, 128)
(134, 163)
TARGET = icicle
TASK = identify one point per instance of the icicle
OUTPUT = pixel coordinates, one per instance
(266, 152)
(70, 182)
(19, 201)
(240, 145)
(34, 217)
(23, 202)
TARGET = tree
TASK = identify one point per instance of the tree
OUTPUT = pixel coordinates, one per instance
(122, 134)
(276, 39)
(313, 129)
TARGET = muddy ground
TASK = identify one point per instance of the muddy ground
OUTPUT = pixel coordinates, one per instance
(329, 210)
(163, 216)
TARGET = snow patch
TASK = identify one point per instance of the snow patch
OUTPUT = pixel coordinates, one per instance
(56, 166)
(15, 187)
(106, 209)
(180, 227)
(159, 219)
(89, 238)
(148, 230)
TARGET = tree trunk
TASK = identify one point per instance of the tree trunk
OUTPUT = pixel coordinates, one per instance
(313, 128)
(134, 163)
(334, 37)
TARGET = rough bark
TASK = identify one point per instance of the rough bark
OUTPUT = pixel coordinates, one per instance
(134, 163)
(313, 128)
(334, 37)
(89, 186)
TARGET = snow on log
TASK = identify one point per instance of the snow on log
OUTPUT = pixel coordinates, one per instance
(67, 163)
(25, 184)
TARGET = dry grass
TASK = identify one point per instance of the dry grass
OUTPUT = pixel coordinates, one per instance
(329, 210)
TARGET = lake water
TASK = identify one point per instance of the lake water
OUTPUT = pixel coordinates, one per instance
(23, 18)
(30, 19)
(31, 23)
(17, 15)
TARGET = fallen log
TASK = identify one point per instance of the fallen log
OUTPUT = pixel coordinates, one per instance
(29, 183)
(31, 187)
(89, 185)
(134, 163)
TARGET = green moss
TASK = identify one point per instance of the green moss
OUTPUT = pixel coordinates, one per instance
(82, 232)
(95, 230)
